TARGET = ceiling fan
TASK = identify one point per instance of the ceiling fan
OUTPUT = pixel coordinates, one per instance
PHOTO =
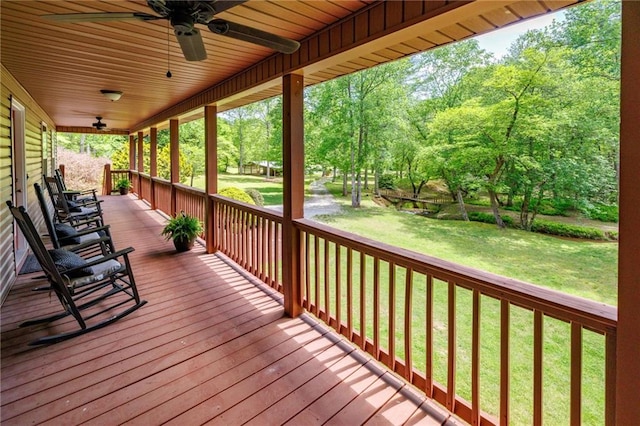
(99, 125)
(183, 16)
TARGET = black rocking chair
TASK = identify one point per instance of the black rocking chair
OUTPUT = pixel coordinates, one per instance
(70, 211)
(74, 236)
(95, 291)
(72, 194)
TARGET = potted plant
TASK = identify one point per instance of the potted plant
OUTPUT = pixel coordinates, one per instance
(123, 186)
(183, 229)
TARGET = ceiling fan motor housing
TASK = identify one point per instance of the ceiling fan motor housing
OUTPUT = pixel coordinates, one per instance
(99, 125)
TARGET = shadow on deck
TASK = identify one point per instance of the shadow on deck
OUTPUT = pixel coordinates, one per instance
(211, 346)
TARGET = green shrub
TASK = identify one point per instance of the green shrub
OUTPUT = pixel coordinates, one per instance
(256, 196)
(546, 207)
(567, 230)
(477, 201)
(237, 194)
(489, 218)
(602, 212)
(386, 182)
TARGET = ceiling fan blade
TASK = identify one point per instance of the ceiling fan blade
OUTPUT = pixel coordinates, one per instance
(253, 35)
(191, 44)
(101, 17)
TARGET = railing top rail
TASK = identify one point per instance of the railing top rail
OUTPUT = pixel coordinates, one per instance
(190, 189)
(261, 211)
(161, 180)
(596, 316)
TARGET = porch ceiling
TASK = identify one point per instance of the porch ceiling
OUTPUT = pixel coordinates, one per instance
(65, 65)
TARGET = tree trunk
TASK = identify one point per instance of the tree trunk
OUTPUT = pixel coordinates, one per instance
(344, 184)
(241, 152)
(463, 210)
(353, 176)
(358, 190)
(524, 210)
(495, 208)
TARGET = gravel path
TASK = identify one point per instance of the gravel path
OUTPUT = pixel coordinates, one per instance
(320, 202)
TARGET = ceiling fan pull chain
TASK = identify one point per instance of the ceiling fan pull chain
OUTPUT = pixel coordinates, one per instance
(168, 56)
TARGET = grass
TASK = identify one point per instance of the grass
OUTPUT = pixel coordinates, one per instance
(271, 189)
(583, 268)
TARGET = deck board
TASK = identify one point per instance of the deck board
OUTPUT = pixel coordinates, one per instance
(211, 346)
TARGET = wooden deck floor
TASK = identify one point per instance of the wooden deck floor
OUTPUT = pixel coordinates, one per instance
(211, 346)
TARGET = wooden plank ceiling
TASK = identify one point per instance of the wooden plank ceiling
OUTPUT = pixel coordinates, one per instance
(65, 65)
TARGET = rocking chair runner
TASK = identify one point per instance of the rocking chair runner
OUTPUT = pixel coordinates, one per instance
(89, 290)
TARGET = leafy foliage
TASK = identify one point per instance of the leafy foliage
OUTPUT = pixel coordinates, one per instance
(182, 227)
(489, 218)
(237, 194)
(568, 230)
(123, 183)
(256, 196)
(603, 212)
(386, 181)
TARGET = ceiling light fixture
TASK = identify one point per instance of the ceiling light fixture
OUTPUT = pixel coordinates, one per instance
(112, 95)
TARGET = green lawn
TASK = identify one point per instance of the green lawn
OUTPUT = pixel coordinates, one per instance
(271, 189)
(579, 267)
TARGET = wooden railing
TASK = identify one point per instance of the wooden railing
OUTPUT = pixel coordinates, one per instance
(111, 176)
(250, 236)
(396, 195)
(412, 312)
(463, 336)
(145, 186)
(191, 201)
(162, 192)
(135, 182)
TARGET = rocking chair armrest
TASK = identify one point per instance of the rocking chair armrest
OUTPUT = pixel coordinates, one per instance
(89, 203)
(85, 231)
(111, 256)
(86, 223)
(87, 244)
(81, 191)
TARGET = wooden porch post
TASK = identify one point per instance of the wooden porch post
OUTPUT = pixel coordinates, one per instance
(132, 153)
(107, 185)
(293, 188)
(628, 339)
(153, 163)
(174, 137)
(211, 173)
(140, 158)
